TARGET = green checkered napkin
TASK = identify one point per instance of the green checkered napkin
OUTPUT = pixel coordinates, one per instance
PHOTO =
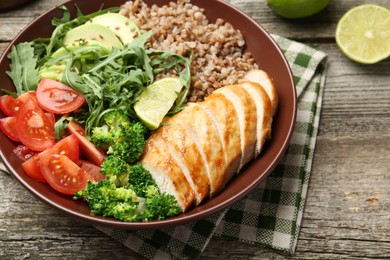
(271, 215)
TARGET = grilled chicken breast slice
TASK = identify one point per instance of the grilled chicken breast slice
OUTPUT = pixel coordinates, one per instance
(181, 145)
(262, 78)
(167, 173)
(264, 113)
(245, 107)
(225, 118)
(209, 142)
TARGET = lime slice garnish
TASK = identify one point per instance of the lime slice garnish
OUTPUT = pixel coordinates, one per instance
(156, 101)
(363, 33)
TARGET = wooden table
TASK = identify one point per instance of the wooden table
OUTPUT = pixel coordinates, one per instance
(347, 214)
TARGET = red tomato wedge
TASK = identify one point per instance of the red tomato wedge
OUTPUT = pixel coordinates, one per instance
(63, 174)
(67, 146)
(8, 105)
(86, 147)
(8, 126)
(33, 168)
(57, 98)
(34, 129)
(92, 170)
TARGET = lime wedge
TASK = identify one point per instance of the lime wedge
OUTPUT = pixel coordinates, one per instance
(156, 101)
(363, 33)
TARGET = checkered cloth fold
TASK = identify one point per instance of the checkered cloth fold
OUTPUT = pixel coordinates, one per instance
(271, 215)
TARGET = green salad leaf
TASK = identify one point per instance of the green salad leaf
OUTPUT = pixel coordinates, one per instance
(23, 71)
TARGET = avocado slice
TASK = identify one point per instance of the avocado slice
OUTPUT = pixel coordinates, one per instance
(123, 27)
(104, 48)
(92, 32)
(56, 71)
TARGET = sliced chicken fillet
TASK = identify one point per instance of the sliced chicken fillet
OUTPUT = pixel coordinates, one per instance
(182, 147)
(264, 113)
(167, 173)
(205, 135)
(261, 77)
(247, 117)
(225, 117)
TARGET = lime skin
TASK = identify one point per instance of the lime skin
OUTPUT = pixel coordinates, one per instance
(294, 9)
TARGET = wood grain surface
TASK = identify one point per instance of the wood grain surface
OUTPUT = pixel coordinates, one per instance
(347, 214)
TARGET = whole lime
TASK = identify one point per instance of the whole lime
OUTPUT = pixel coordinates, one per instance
(297, 8)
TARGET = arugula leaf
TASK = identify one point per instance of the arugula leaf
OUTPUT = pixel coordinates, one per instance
(23, 68)
(65, 18)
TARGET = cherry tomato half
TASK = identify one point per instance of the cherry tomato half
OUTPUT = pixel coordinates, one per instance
(33, 168)
(67, 146)
(7, 105)
(34, 129)
(8, 126)
(57, 98)
(63, 174)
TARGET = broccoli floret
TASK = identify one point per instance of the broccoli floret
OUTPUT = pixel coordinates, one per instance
(140, 180)
(116, 170)
(157, 205)
(151, 191)
(101, 137)
(116, 118)
(113, 122)
(97, 195)
(105, 199)
(129, 142)
(120, 136)
(160, 207)
(123, 203)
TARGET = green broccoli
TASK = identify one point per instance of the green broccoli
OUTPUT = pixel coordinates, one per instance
(116, 170)
(120, 136)
(103, 136)
(161, 206)
(107, 199)
(116, 118)
(129, 143)
(140, 180)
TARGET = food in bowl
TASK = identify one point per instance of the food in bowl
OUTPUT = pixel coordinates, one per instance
(92, 61)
